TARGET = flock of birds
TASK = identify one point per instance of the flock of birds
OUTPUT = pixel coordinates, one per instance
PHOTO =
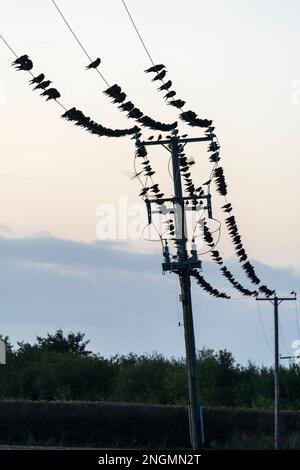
(190, 117)
(73, 114)
(26, 64)
(118, 96)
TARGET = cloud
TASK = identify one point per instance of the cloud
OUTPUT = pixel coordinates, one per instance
(123, 303)
(5, 230)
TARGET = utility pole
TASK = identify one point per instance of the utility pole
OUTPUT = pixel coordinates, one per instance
(276, 301)
(183, 266)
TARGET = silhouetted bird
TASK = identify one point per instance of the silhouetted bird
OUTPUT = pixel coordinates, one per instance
(25, 64)
(37, 79)
(155, 68)
(51, 93)
(177, 103)
(43, 85)
(170, 94)
(159, 76)
(159, 137)
(165, 86)
(94, 65)
(128, 106)
(20, 60)
(184, 136)
(151, 137)
(144, 191)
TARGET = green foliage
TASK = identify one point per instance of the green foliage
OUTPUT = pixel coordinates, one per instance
(59, 367)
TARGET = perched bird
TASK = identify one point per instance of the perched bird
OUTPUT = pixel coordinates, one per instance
(25, 64)
(20, 60)
(170, 95)
(144, 191)
(51, 93)
(43, 85)
(160, 76)
(37, 79)
(155, 68)
(151, 137)
(93, 65)
(184, 136)
(177, 103)
(159, 137)
(165, 86)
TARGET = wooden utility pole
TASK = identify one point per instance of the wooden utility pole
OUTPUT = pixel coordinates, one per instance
(183, 267)
(276, 301)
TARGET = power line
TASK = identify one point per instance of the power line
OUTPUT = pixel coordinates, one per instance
(78, 41)
(263, 329)
(282, 337)
(138, 33)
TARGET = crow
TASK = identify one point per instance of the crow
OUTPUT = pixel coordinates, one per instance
(165, 86)
(51, 93)
(37, 79)
(43, 85)
(159, 76)
(155, 68)
(170, 94)
(93, 65)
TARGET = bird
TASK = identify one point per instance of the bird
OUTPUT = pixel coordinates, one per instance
(177, 103)
(170, 94)
(26, 64)
(94, 65)
(160, 76)
(37, 79)
(43, 85)
(51, 93)
(184, 136)
(20, 60)
(155, 68)
(151, 137)
(144, 191)
(165, 86)
(159, 137)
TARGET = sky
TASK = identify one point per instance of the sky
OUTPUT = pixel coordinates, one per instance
(234, 62)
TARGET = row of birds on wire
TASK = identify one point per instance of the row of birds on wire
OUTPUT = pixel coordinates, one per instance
(119, 97)
(24, 63)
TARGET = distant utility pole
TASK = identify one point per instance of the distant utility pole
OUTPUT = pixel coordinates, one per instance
(183, 266)
(276, 301)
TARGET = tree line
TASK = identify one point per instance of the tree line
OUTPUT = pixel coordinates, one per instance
(60, 367)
